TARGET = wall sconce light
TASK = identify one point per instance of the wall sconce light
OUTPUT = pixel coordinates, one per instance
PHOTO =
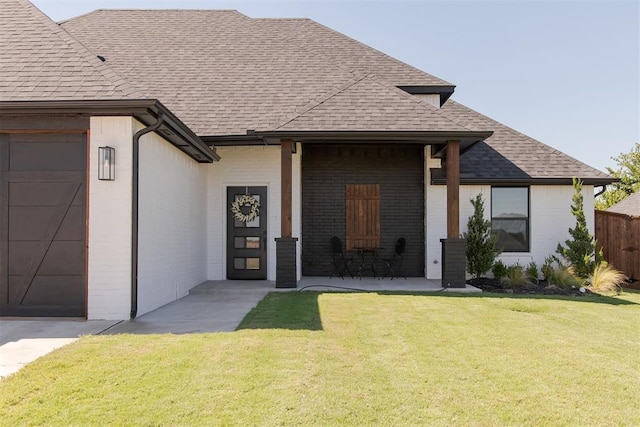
(106, 163)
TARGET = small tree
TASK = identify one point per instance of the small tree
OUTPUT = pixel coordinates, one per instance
(481, 242)
(628, 173)
(580, 251)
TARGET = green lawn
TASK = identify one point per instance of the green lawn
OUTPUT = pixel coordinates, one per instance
(355, 359)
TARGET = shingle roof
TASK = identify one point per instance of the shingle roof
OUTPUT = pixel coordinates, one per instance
(509, 154)
(367, 104)
(40, 61)
(224, 73)
(628, 206)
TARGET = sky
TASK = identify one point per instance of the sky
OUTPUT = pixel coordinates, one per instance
(566, 72)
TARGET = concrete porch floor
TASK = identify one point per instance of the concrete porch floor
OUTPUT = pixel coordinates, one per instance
(370, 284)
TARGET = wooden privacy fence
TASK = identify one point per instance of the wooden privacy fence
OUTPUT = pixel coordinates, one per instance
(619, 237)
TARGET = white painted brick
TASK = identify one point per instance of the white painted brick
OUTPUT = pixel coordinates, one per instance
(550, 219)
(109, 235)
(249, 166)
(172, 238)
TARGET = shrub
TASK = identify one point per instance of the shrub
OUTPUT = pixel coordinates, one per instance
(566, 278)
(532, 272)
(580, 251)
(516, 276)
(547, 268)
(481, 248)
(606, 280)
(499, 270)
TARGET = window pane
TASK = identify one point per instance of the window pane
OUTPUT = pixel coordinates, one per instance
(238, 263)
(510, 217)
(253, 263)
(255, 223)
(509, 202)
(253, 243)
(238, 243)
(511, 234)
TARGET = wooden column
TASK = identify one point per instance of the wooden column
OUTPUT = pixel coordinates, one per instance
(453, 189)
(286, 149)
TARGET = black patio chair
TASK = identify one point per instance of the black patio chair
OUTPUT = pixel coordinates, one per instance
(340, 260)
(394, 264)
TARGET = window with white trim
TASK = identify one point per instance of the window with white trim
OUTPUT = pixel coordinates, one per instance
(510, 217)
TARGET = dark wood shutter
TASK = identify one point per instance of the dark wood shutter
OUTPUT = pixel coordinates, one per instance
(363, 216)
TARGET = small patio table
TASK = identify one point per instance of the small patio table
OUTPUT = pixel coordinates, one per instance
(368, 258)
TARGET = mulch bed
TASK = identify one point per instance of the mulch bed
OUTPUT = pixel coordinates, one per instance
(540, 288)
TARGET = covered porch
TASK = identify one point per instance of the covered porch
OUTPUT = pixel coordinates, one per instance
(399, 224)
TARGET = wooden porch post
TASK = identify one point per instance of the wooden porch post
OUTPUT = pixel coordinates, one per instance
(286, 148)
(453, 189)
(453, 247)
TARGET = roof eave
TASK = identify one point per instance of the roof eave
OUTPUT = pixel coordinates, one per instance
(426, 137)
(144, 110)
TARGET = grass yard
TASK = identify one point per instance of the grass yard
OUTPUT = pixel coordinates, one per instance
(355, 359)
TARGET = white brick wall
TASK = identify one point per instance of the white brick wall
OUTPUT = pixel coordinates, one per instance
(109, 236)
(172, 238)
(550, 219)
(248, 166)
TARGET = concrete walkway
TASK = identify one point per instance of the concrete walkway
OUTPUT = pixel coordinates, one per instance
(213, 306)
(22, 341)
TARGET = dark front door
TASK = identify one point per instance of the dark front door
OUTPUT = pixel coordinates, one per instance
(43, 225)
(247, 233)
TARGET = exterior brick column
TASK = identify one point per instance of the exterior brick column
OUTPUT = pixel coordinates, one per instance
(454, 263)
(286, 269)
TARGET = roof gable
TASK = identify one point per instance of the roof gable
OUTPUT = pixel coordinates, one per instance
(368, 104)
(41, 61)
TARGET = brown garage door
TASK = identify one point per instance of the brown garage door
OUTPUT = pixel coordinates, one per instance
(43, 224)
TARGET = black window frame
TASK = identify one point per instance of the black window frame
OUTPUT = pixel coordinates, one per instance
(527, 219)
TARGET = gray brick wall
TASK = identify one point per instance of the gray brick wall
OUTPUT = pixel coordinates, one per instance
(327, 169)
(454, 263)
(286, 272)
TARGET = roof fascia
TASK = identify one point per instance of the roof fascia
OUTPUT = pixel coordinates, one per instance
(466, 139)
(505, 182)
(144, 110)
(426, 137)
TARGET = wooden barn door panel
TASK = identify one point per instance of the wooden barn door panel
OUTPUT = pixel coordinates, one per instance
(43, 226)
(362, 227)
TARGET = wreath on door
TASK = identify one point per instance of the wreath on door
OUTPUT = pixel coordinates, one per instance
(246, 208)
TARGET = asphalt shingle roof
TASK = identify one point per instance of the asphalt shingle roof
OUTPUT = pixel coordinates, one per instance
(628, 206)
(223, 73)
(38, 60)
(509, 154)
(368, 104)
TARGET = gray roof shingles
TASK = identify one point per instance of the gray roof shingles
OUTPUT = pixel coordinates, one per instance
(223, 73)
(369, 105)
(628, 206)
(38, 61)
(509, 154)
